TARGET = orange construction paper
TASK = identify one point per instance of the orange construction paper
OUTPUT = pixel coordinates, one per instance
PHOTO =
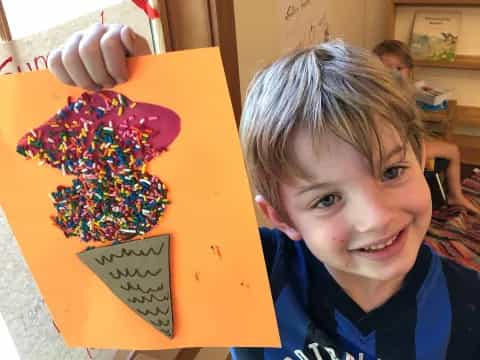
(220, 290)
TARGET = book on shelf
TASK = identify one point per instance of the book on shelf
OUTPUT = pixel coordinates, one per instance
(435, 36)
(430, 95)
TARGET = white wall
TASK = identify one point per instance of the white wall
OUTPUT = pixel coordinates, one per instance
(38, 16)
(360, 22)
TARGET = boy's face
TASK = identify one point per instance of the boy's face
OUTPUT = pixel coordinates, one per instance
(360, 225)
(395, 63)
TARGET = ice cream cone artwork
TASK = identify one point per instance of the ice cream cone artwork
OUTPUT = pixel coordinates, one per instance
(132, 210)
(138, 273)
(105, 140)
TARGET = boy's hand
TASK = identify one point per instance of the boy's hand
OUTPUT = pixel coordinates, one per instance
(96, 57)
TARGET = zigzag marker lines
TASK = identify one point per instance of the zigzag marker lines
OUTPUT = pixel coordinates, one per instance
(160, 322)
(124, 252)
(136, 272)
(144, 299)
(130, 287)
(154, 313)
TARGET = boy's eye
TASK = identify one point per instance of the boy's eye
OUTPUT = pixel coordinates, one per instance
(393, 172)
(327, 201)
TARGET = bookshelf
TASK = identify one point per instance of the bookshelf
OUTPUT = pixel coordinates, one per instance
(461, 61)
(465, 62)
(445, 122)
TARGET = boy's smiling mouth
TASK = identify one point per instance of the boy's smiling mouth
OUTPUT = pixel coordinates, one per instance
(382, 248)
(380, 245)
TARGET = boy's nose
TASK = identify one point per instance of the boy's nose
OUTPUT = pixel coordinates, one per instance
(373, 211)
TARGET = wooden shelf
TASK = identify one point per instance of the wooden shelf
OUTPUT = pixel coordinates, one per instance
(468, 116)
(435, 117)
(461, 62)
(437, 2)
(469, 148)
(438, 123)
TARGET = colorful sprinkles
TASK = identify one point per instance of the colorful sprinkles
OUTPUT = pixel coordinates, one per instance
(75, 143)
(112, 196)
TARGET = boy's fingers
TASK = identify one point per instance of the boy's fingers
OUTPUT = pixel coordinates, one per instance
(96, 58)
(55, 65)
(73, 64)
(114, 55)
(91, 56)
(128, 38)
(134, 44)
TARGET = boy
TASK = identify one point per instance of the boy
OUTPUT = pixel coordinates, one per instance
(334, 147)
(395, 55)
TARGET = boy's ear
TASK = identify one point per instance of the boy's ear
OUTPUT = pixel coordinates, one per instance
(272, 215)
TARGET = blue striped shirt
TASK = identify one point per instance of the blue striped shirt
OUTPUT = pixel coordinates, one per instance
(434, 316)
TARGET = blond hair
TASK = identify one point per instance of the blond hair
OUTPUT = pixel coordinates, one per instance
(329, 87)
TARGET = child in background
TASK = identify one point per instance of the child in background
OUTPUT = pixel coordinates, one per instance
(335, 149)
(396, 56)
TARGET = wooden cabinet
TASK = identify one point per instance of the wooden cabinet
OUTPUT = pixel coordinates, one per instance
(439, 123)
